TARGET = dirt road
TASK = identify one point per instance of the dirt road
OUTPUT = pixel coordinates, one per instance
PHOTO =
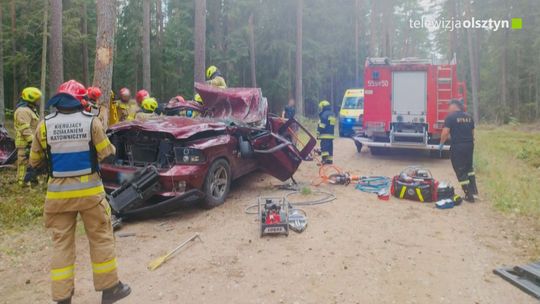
(356, 249)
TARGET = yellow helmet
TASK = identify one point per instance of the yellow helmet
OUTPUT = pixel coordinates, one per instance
(198, 98)
(211, 71)
(323, 104)
(149, 104)
(31, 94)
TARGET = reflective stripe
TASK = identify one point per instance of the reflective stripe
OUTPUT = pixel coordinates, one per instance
(102, 145)
(322, 126)
(63, 273)
(402, 193)
(75, 193)
(326, 136)
(332, 120)
(466, 182)
(104, 267)
(43, 135)
(35, 155)
(471, 173)
(72, 187)
(22, 127)
(419, 193)
(325, 153)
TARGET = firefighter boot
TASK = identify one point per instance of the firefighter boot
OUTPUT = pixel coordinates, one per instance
(468, 194)
(472, 185)
(115, 293)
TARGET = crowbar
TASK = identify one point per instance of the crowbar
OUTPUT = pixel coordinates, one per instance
(162, 259)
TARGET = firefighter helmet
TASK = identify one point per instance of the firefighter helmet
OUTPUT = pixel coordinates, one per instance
(125, 92)
(94, 93)
(211, 71)
(323, 104)
(149, 104)
(31, 94)
(141, 95)
(73, 88)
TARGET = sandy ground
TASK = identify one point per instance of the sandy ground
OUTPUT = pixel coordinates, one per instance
(356, 249)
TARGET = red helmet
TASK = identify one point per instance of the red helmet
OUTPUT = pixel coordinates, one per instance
(73, 88)
(141, 95)
(94, 93)
(125, 92)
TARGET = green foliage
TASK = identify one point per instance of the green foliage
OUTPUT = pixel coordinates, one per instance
(19, 206)
(507, 161)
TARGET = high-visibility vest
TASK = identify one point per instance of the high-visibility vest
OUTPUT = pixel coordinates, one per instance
(69, 144)
(327, 122)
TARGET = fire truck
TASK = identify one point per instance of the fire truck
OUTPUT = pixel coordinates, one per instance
(405, 104)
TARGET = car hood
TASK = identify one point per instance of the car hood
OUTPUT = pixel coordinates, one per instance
(178, 127)
(242, 105)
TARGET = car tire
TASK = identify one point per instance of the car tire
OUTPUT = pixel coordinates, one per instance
(217, 184)
(377, 151)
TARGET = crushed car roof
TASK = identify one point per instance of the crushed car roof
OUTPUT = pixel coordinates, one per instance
(245, 105)
(179, 127)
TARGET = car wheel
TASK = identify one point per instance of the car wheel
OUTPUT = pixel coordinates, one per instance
(217, 184)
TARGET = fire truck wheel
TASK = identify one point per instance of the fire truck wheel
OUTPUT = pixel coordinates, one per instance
(217, 184)
(358, 146)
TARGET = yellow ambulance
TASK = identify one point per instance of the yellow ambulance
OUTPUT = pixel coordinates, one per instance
(352, 112)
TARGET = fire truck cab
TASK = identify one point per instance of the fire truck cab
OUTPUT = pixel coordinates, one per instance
(406, 102)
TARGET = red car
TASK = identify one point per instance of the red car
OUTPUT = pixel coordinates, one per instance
(198, 158)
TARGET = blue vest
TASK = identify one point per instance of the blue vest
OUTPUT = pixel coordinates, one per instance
(69, 144)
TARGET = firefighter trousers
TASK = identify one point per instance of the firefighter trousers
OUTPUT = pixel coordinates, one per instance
(97, 224)
(22, 164)
(327, 150)
(461, 156)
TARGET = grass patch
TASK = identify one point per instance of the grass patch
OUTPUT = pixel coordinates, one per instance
(20, 207)
(507, 161)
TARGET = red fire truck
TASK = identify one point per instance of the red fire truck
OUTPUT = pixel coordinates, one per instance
(405, 104)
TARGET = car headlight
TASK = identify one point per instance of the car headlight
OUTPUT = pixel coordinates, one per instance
(188, 155)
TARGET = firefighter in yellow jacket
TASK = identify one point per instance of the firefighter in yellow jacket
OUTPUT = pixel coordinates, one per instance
(213, 77)
(26, 120)
(148, 109)
(71, 142)
(124, 108)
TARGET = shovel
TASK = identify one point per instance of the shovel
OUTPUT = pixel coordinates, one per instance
(162, 259)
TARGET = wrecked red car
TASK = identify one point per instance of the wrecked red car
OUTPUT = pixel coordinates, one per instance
(8, 152)
(196, 159)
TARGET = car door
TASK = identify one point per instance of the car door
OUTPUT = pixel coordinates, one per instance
(280, 151)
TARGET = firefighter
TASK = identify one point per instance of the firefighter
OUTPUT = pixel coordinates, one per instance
(26, 119)
(325, 131)
(213, 77)
(70, 143)
(125, 106)
(459, 126)
(140, 96)
(148, 109)
(92, 105)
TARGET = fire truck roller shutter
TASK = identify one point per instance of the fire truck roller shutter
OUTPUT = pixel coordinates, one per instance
(409, 96)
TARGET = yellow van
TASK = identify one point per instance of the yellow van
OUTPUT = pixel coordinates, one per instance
(352, 112)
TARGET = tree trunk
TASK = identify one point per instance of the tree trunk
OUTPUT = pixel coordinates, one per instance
(159, 17)
(200, 40)
(299, 84)
(473, 65)
(147, 84)
(43, 81)
(2, 93)
(373, 26)
(84, 45)
(56, 64)
(357, 43)
(13, 12)
(252, 51)
(103, 69)
(504, 78)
